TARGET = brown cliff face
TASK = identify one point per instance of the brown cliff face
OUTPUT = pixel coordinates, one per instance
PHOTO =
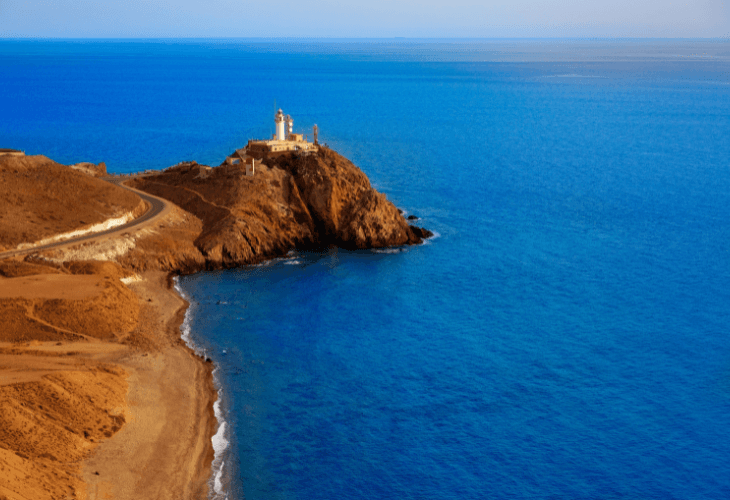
(292, 202)
(345, 210)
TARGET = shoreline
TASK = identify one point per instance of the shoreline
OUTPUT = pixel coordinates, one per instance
(218, 440)
(171, 439)
(165, 450)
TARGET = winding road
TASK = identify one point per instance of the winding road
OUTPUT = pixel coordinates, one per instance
(158, 208)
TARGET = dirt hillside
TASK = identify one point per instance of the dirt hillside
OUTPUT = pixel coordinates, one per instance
(40, 198)
(64, 306)
(59, 399)
(84, 358)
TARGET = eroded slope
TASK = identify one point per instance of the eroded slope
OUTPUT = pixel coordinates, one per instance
(40, 198)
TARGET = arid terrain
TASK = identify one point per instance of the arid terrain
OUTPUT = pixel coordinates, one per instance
(41, 199)
(84, 357)
(99, 397)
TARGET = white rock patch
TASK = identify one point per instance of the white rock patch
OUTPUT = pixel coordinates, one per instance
(131, 279)
(96, 228)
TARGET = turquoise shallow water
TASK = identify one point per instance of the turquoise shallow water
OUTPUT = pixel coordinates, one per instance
(565, 334)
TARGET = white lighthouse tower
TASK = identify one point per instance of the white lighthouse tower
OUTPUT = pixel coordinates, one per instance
(280, 126)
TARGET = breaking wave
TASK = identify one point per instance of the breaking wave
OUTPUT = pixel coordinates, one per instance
(219, 440)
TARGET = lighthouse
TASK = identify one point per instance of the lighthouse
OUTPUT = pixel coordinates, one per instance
(283, 140)
(280, 126)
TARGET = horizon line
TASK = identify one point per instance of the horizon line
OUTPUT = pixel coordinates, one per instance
(723, 38)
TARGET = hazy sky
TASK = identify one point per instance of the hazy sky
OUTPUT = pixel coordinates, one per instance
(365, 18)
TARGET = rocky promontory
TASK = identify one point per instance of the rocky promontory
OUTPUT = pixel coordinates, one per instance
(293, 201)
(99, 395)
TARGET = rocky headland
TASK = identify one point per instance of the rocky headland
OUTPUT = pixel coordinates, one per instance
(302, 202)
(99, 396)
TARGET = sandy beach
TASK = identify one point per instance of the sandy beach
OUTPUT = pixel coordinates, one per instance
(159, 393)
(164, 450)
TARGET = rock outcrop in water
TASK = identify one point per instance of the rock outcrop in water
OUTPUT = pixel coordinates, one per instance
(292, 202)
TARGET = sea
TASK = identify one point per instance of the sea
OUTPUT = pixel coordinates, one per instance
(564, 335)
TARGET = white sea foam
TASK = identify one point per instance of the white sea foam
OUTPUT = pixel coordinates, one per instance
(185, 327)
(427, 241)
(219, 440)
(217, 483)
(390, 250)
(185, 332)
(220, 445)
(292, 262)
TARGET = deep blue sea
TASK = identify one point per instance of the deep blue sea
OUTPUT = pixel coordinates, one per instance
(566, 335)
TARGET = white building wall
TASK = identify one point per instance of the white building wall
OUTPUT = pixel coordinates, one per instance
(280, 126)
